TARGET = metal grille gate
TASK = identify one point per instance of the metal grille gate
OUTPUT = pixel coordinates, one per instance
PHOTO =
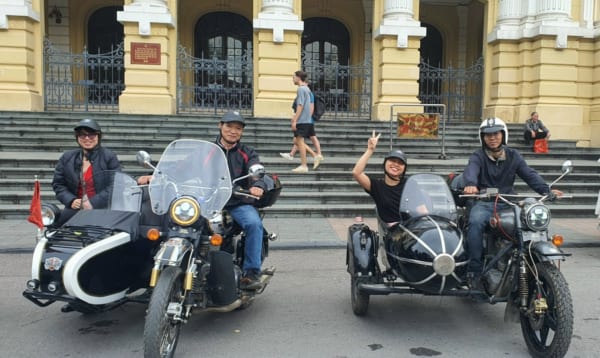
(83, 82)
(460, 89)
(345, 88)
(213, 85)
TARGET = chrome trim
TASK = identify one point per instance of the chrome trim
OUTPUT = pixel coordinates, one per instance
(36, 260)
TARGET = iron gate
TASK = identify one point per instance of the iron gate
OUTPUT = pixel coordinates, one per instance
(460, 89)
(83, 82)
(345, 88)
(213, 85)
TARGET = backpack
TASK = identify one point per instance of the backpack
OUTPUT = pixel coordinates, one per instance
(319, 107)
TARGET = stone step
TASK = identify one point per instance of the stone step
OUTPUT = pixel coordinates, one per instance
(327, 192)
(293, 210)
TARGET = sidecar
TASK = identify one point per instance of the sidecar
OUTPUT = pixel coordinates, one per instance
(98, 257)
(422, 254)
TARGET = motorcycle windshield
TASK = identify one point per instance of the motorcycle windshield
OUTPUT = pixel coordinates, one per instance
(126, 194)
(427, 194)
(195, 168)
(112, 190)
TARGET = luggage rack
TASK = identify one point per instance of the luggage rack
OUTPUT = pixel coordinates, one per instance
(79, 234)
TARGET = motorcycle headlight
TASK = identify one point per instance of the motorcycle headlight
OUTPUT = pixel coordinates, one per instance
(184, 211)
(537, 217)
(50, 213)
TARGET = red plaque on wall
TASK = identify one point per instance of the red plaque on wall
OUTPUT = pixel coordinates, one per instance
(145, 53)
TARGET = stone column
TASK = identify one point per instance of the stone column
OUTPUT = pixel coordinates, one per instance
(150, 60)
(396, 45)
(277, 38)
(21, 55)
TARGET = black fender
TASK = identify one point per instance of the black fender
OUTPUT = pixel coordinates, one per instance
(545, 251)
(361, 250)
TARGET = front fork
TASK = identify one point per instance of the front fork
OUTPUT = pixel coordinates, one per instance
(540, 305)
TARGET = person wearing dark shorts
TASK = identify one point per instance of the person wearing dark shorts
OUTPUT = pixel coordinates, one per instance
(302, 119)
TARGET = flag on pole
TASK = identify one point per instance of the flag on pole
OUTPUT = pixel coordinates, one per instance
(35, 209)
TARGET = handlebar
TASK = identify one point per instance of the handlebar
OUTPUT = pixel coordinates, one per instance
(244, 193)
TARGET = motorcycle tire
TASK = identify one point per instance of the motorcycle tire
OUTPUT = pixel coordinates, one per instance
(548, 335)
(161, 334)
(359, 300)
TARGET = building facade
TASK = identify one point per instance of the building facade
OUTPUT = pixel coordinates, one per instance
(370, 58)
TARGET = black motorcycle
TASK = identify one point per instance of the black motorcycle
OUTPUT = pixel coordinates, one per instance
(198, 266)
(425, 254)
(98, 259)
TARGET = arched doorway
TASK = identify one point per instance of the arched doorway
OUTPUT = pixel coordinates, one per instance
(221, 68)
(325, 58)
(104, 57)
(104, 32)
(324, 42)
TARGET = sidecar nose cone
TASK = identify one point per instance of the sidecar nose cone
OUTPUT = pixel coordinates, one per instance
(444, 264)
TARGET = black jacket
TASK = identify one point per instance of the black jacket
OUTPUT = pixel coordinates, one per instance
(239, 159)
(67, 175)
(484, 173)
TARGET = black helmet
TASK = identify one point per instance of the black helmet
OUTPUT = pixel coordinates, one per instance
(233, 116)
(493, 125)
(88, 124)
(396, 153)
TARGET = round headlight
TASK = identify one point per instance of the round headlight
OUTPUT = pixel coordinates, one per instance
(50, 213)
(184, 211)
(537, 217)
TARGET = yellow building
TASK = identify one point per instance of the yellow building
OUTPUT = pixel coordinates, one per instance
(466, 58)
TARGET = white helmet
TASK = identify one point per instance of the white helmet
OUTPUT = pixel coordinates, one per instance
(493, 125)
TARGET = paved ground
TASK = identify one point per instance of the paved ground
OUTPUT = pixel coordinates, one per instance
(19, 235)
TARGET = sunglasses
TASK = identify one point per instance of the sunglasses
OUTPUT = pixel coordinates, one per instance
(87, 135)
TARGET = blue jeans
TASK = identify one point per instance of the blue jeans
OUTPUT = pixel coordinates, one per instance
(247, 217)
(479, 217)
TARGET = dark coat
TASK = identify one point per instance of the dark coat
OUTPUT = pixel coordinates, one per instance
(239, 160)
(67, 175)
(484, 172)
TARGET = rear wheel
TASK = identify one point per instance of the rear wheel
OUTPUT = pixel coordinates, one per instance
(548, 334)
(161, 331)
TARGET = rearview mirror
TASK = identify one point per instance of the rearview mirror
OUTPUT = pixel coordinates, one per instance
(567, 167)
(256, 171)
(144, 159)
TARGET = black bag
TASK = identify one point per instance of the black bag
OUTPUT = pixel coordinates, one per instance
(319, 107)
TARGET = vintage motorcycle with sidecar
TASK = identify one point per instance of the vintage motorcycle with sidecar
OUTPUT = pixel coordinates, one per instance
(98, 259)
(198, 265)
(425, 254)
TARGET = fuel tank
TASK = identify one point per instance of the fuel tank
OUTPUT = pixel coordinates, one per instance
(427, 252)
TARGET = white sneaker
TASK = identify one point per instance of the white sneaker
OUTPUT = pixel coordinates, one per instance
(286, 156)
(317, 161)
(300, 169)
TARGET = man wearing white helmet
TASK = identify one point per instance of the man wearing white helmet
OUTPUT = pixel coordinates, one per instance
(494, 165)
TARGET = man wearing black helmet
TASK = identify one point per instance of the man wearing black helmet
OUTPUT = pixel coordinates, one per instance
(240, 157)
(81, 175)
(385, 192)
(494, 165)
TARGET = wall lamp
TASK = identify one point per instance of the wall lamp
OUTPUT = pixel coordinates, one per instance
(56, 15)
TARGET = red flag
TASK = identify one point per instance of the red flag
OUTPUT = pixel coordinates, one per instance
(35, 209)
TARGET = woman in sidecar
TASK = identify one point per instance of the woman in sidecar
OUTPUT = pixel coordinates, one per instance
(418, 248)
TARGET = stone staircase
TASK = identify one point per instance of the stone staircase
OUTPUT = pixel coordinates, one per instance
(30, 144)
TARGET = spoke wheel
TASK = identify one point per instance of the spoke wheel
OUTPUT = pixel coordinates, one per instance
(549, 334)
(161, 332)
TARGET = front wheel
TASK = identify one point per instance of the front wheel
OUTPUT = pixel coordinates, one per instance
(548, 334)
(359, 300)
(161, 331)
